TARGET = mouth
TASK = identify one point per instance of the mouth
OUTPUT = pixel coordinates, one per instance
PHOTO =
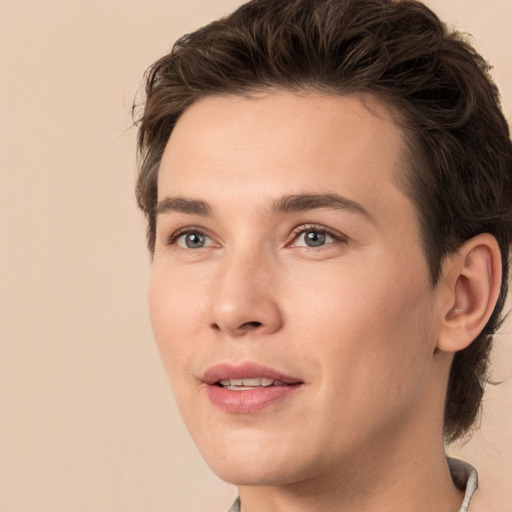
(250, 383)
(247, 388)
(247, 375)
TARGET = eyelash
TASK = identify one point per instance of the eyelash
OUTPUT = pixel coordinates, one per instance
(296, 233)
(186, 231)
(304, 228)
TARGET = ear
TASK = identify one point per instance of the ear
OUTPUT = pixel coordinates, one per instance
(470, 287)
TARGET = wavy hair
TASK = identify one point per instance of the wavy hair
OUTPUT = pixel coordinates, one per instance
(459, 172)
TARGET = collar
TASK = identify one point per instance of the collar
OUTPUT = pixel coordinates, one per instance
(465, 478)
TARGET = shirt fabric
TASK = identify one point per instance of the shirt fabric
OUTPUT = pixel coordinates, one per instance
(463, 474)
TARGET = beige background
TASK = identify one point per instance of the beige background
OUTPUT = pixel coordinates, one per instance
(87, 420)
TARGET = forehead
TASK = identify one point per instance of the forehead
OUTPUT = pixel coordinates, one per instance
(266, 145)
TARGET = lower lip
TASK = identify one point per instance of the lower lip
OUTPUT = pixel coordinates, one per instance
(249, 400)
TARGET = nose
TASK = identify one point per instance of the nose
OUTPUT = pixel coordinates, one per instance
(245, 299)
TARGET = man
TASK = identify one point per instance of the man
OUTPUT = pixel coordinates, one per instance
(328, 186)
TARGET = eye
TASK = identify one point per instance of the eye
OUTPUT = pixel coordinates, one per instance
(314, 236)
(191, 239)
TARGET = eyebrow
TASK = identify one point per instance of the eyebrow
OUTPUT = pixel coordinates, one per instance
(184, 205)
(285, 204)
(304, 202)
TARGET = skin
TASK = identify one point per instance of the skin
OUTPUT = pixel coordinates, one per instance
(356, 318)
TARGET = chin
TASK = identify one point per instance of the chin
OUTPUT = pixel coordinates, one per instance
(251, 473)
(255, 462)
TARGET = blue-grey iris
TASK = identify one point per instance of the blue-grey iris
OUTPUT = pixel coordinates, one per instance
(194, 240)
(314, 238)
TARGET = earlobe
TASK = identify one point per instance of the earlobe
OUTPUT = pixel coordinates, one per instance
(472, 280)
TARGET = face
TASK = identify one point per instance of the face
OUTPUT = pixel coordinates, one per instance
(289, 296)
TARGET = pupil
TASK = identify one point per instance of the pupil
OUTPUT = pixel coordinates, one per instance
(194, 240)
(315, 239)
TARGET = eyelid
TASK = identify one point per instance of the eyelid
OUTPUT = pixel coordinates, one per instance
(299, 230)
(173, 238)
(296, 232)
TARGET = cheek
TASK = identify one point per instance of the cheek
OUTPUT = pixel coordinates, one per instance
(175, 309)
(369, 322)
(399, 337)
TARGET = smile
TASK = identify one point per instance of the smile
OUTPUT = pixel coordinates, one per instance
(247, 388)
(251, 383)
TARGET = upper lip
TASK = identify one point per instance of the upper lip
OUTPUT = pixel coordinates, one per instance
(226, 371)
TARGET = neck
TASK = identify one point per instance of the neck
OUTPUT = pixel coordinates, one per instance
(397, 476)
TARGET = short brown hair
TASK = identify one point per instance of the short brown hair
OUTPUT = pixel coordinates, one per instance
(460, 154)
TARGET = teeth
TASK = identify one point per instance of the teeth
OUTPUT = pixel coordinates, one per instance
(253, 382)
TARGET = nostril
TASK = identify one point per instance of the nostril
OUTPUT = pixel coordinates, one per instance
(240, 330)
(251, 325)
